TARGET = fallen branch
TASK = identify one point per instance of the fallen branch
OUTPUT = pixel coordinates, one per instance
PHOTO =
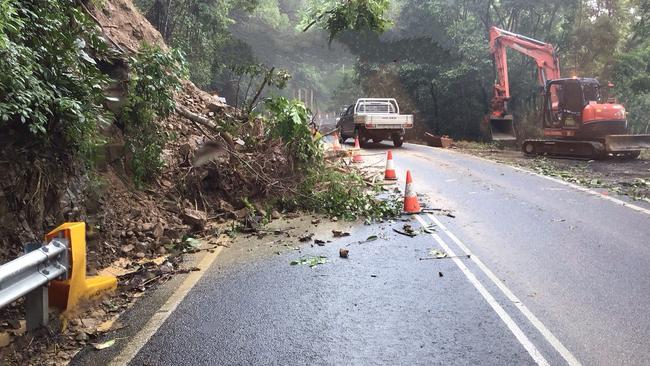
(207, 123)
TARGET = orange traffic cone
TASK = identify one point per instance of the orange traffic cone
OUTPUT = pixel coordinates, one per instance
(356, 154)
(390, 168)
(336, 145)
(411, 204)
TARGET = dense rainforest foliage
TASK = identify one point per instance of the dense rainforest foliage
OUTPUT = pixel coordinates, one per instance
(430, 54)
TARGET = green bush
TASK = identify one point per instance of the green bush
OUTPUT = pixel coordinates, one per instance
(290, 122)
(153, 78)
(50, 86)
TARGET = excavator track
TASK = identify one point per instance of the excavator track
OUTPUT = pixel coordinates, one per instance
(565, 148)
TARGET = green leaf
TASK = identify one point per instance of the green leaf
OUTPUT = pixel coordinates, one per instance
(87, 57)
(311, 261)
(104, 345)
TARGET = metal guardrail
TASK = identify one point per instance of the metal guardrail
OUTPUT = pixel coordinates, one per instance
(29, 275)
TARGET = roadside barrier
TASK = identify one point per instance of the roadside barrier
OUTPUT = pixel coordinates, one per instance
(390, 174)
(52, 273)
(356, 153)
(411, 204)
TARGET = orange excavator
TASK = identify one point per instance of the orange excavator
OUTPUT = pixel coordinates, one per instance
(578, 119)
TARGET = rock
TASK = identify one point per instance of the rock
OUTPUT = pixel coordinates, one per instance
(215, 106)
(161, 250)
(147, 226)
(5, 339)
(343, 252)
(127, 248)
(225, 206)
(14, 323)
(315, 221)
(166, 268)
(306, 237)
(172, 234)
(243, 213)
(275, 215)
(319, 242)
(140, 254)
(195, 218)
(82, 337)
(339, 233)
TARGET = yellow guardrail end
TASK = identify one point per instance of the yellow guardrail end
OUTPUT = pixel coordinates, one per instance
(68, 293)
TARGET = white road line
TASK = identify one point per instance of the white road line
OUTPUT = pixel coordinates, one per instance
(139, 340)
(514, 328)
(559, 347)
(556, 180)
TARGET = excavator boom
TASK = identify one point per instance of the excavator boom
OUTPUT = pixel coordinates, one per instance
(500, 122)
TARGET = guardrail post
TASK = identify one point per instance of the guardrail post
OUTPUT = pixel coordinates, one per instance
(36, 307)
(36, 302)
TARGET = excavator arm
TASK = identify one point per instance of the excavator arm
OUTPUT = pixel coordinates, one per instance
(500, 120)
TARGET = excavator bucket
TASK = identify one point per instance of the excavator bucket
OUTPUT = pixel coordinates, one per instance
(502, 129)
(616, 143)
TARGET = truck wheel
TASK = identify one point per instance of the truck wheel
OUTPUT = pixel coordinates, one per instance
(363, 140)
(342, 139)
(398, 140)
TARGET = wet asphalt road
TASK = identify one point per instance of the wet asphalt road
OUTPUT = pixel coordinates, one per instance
(579, 263)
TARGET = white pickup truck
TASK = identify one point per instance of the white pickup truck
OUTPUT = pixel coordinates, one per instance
(375, 119)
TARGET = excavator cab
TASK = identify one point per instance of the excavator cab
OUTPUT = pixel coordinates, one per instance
(564, 100)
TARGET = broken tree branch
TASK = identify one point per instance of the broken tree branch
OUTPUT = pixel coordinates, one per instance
(207, 123)
(318, 18)
(267, 78)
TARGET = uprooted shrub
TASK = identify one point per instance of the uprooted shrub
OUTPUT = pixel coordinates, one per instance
(289, 121)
